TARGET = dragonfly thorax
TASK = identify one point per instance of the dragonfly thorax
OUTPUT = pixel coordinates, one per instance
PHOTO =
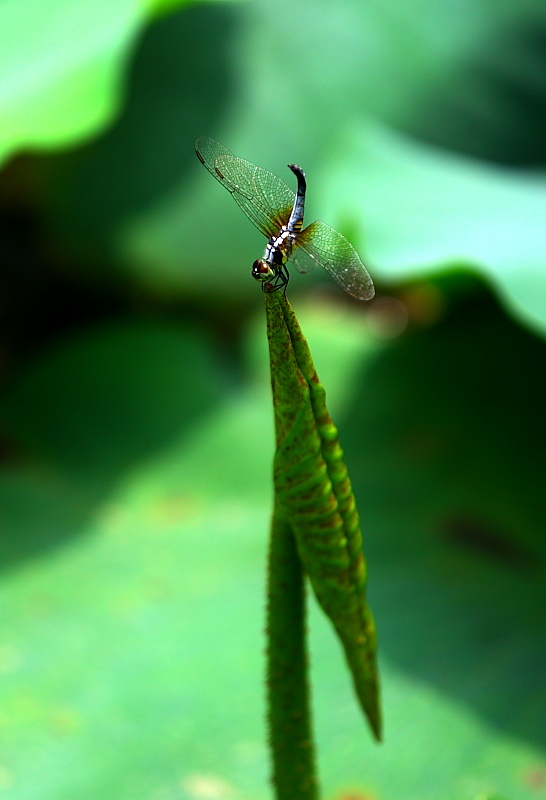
(271, 269)
(279, 248)
(277, 252)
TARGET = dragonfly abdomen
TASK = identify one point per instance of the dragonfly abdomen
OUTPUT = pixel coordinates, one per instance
(295, 223)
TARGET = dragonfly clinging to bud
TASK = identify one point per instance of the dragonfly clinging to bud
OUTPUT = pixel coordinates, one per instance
(278, 213)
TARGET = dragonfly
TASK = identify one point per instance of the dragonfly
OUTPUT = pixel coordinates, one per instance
(278, 213)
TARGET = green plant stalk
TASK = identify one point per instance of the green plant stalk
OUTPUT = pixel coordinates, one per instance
(314, 495)
(294, 775)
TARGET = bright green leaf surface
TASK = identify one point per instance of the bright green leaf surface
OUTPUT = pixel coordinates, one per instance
(425, 209)
(131, 652)
(61, 68)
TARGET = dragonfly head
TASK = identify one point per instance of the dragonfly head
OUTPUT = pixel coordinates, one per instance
(262, 271)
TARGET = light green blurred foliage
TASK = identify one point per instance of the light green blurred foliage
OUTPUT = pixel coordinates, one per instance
(133, 591)
(389, 109)
(61, 68)
(455, 76)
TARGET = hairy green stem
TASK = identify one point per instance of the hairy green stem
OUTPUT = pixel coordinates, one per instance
(314, 492)
(290, 734)
(315, 531)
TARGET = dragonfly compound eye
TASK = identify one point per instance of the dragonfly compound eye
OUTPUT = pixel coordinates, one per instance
(261, 270)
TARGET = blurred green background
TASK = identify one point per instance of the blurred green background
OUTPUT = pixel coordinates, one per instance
(135, 414)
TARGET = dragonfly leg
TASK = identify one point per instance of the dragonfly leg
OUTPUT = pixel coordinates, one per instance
(285, 279)
(279, 282)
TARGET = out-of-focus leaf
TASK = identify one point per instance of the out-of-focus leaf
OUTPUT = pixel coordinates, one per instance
(463, 75)
(147, 626)
(146, 162)
(409, 207)
(414, 209)
(164, 7)
(113, 394)
(91, 409)
(61, 68)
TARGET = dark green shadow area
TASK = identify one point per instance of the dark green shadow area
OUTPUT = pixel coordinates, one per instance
(494, 105)
(445, 442)
(85, 414)
(180, 84)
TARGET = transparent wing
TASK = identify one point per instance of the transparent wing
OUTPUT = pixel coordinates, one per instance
(303, 261)
(325, 246)
(265, 199)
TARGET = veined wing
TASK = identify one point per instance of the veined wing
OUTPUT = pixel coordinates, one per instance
(265, 199)
(303, 261)
(328, 248)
